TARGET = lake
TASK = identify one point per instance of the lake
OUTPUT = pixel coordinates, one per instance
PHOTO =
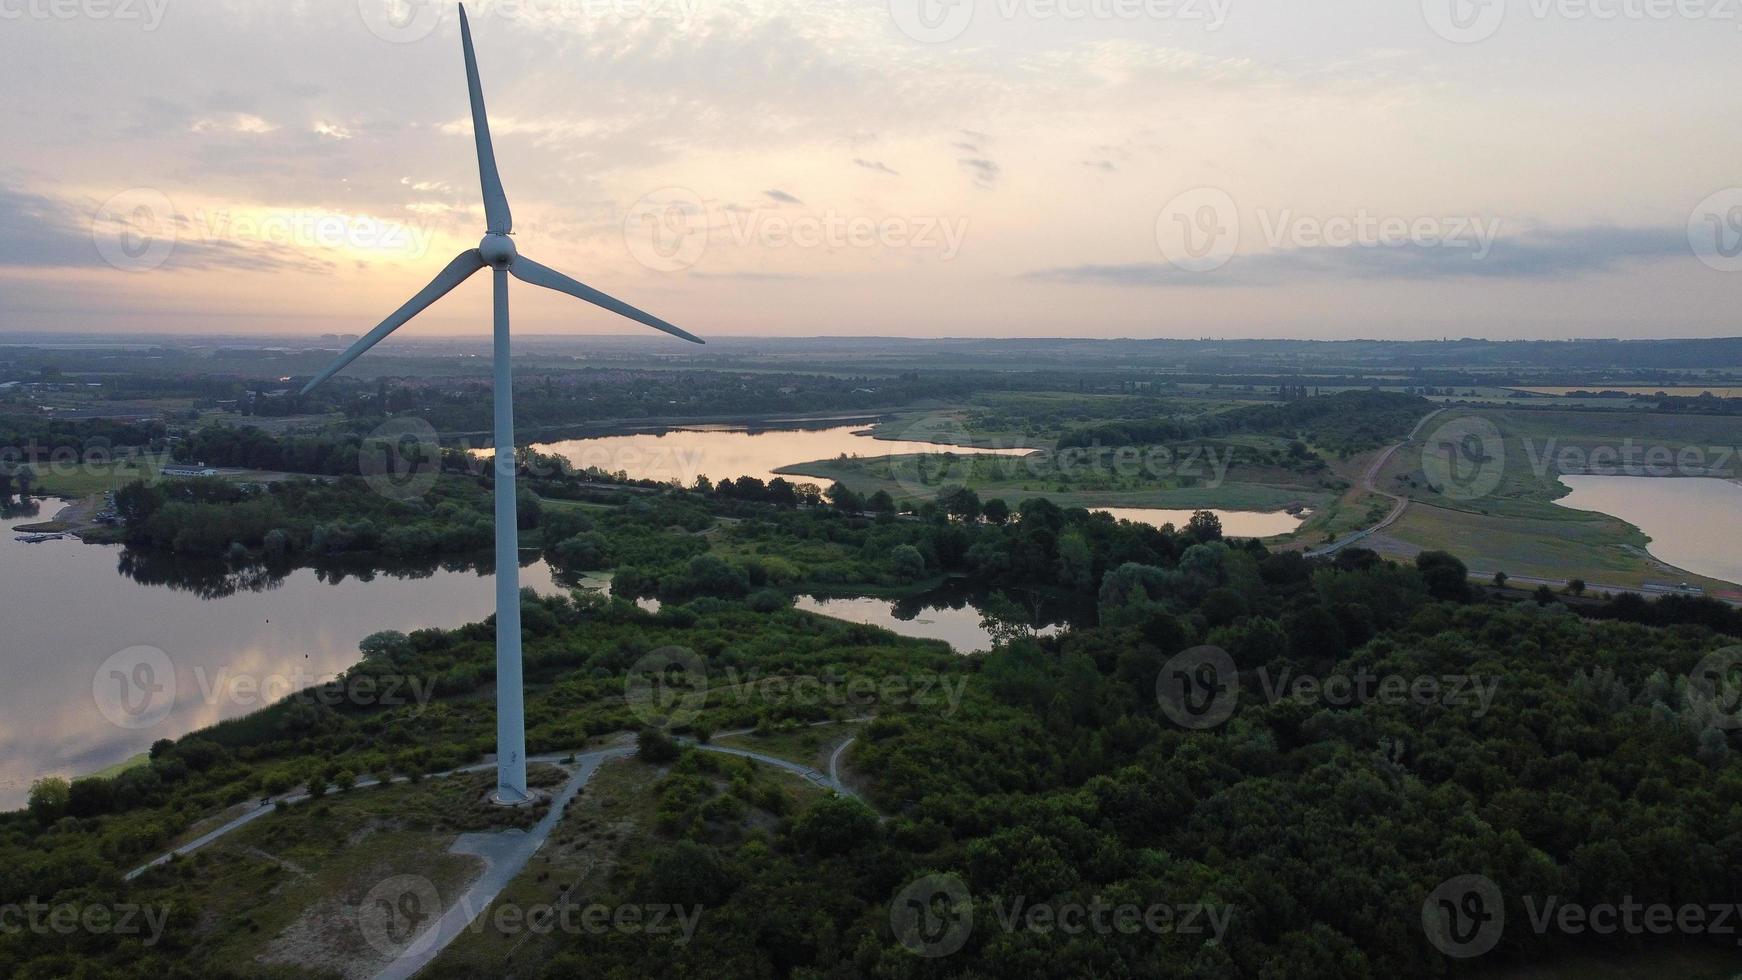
(959, 626)
(68, 610)
(1693, 522)
(729, 452)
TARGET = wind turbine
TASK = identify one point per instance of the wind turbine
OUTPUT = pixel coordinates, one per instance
(497, 251)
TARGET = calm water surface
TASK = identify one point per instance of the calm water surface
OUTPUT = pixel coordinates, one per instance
(1694, 523)
(722, 453)
(726, 453)
(67, 609)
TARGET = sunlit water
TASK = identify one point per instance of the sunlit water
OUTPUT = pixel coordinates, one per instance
(1694, 523)
(726, 453)
(722, 453)
(67, 610)
(960, 628)
(1235, 523)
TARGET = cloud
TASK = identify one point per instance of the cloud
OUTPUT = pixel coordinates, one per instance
(1537, 256)
(877, 165)
(40, 232)
(779, 196)
(985, 171)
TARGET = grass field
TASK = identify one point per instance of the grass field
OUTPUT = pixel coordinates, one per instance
(283, 896)
(1516, 526)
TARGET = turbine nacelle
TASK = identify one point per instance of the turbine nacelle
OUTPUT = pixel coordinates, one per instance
(497, 251)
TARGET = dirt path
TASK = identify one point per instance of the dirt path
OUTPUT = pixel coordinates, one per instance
(1399, 503)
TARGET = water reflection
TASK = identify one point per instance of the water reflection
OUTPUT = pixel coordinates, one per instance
(721, 453)
(1235, 523)
(954, 614)
(66, 611)
(1691, 521)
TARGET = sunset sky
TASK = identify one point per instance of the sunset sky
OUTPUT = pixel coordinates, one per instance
(1136, 168)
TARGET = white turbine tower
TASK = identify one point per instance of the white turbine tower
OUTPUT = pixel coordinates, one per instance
(497, 251)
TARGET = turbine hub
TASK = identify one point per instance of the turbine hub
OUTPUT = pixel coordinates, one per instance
(497, 250)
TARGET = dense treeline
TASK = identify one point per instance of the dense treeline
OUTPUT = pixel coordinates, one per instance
(1591, 772)
(1346, 422)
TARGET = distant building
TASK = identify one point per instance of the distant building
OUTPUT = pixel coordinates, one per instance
(183, 470)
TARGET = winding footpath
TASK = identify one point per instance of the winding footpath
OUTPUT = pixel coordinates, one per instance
(505, 854)
(1399, 503)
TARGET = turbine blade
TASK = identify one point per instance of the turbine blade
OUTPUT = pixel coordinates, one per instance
(527, 270)
(458, 271)
(496, 212)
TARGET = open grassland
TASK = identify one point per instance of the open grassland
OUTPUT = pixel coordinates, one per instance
(1252, 473)
(1503, 516)
(283, 895)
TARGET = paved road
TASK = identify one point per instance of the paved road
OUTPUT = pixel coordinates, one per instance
(1400, 503)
